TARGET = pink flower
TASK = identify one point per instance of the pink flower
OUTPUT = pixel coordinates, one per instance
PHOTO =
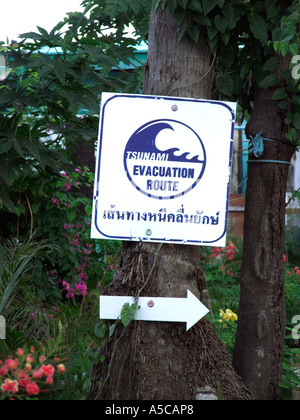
(68, 186)
(61, 368)
(20, 353)
(24, 379)
(37, 374)
(49, 380)
(3, 371)
(55, 201)
(29, 359)
(78, 170)
(66, 285)
(11, 364)
(48, 370)
(10, 386)
(32, 388)
(71, 293)
(81, 287)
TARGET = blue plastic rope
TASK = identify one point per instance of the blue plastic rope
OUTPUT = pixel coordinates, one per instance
(256, 146)
(270, 161)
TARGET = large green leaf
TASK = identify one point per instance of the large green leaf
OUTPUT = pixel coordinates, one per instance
(258, 28)
(224, 84)
(221, 23)
(208, 6)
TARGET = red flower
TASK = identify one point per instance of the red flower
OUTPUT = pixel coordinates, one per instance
(49, 380)
(32, 388)
(61, 368)
(10, 386)
(11, 364)
(37, 374)
(20, 353)
(48, 370)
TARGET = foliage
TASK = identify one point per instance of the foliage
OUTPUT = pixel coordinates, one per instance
(23, 376)
(54, 77)
(20, 266)
(249, 40)
(222, 267)
(49, 101)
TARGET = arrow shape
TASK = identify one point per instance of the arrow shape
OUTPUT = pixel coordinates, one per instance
(189, 310)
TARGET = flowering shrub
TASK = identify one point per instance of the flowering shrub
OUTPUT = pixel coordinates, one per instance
(227, 316)
(223, 253)
(63, 213)
(27, 375)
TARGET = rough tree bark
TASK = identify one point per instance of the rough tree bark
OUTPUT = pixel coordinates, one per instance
(161, 361)
(261, 329)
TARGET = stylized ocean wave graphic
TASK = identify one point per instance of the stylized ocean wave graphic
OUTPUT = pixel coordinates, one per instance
(144, 140)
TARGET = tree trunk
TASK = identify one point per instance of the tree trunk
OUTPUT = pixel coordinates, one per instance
(161, 361)
(261, 328)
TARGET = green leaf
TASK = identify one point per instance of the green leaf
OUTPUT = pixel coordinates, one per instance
(213, 44)
(271, 64)
(7, 171)
(268, 81)
(224, 84)
(279, 94)
(128, 313)
(183, 3)
(71, 214)
(100, 330)
(172, 5)
(296, 120)
(228, 12)
(221, 23)
(208, 6)
(294, 48)
(228, 56)
(112, 329)
(220, 3)
(284, 48)
(93, 354)
(194, 33)
(292, 135)
(258, 28)
(272, 9)
(202, 20)
(8, 203)
(212, 31)
(195, 5)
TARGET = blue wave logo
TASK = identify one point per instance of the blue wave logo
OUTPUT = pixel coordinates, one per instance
(165, 156)
(144, 141)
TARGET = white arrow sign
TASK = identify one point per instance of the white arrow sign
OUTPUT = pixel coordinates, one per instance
(189, 310)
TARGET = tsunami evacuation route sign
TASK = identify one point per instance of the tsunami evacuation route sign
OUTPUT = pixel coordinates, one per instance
(163, 169)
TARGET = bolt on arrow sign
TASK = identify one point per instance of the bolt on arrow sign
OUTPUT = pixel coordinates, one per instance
(189, 310)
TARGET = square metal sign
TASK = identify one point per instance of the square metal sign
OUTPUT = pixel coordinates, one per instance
(163, 169)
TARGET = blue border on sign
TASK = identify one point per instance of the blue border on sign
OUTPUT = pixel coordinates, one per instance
(97, 180)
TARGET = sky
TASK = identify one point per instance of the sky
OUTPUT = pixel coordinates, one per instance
(20, 16)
